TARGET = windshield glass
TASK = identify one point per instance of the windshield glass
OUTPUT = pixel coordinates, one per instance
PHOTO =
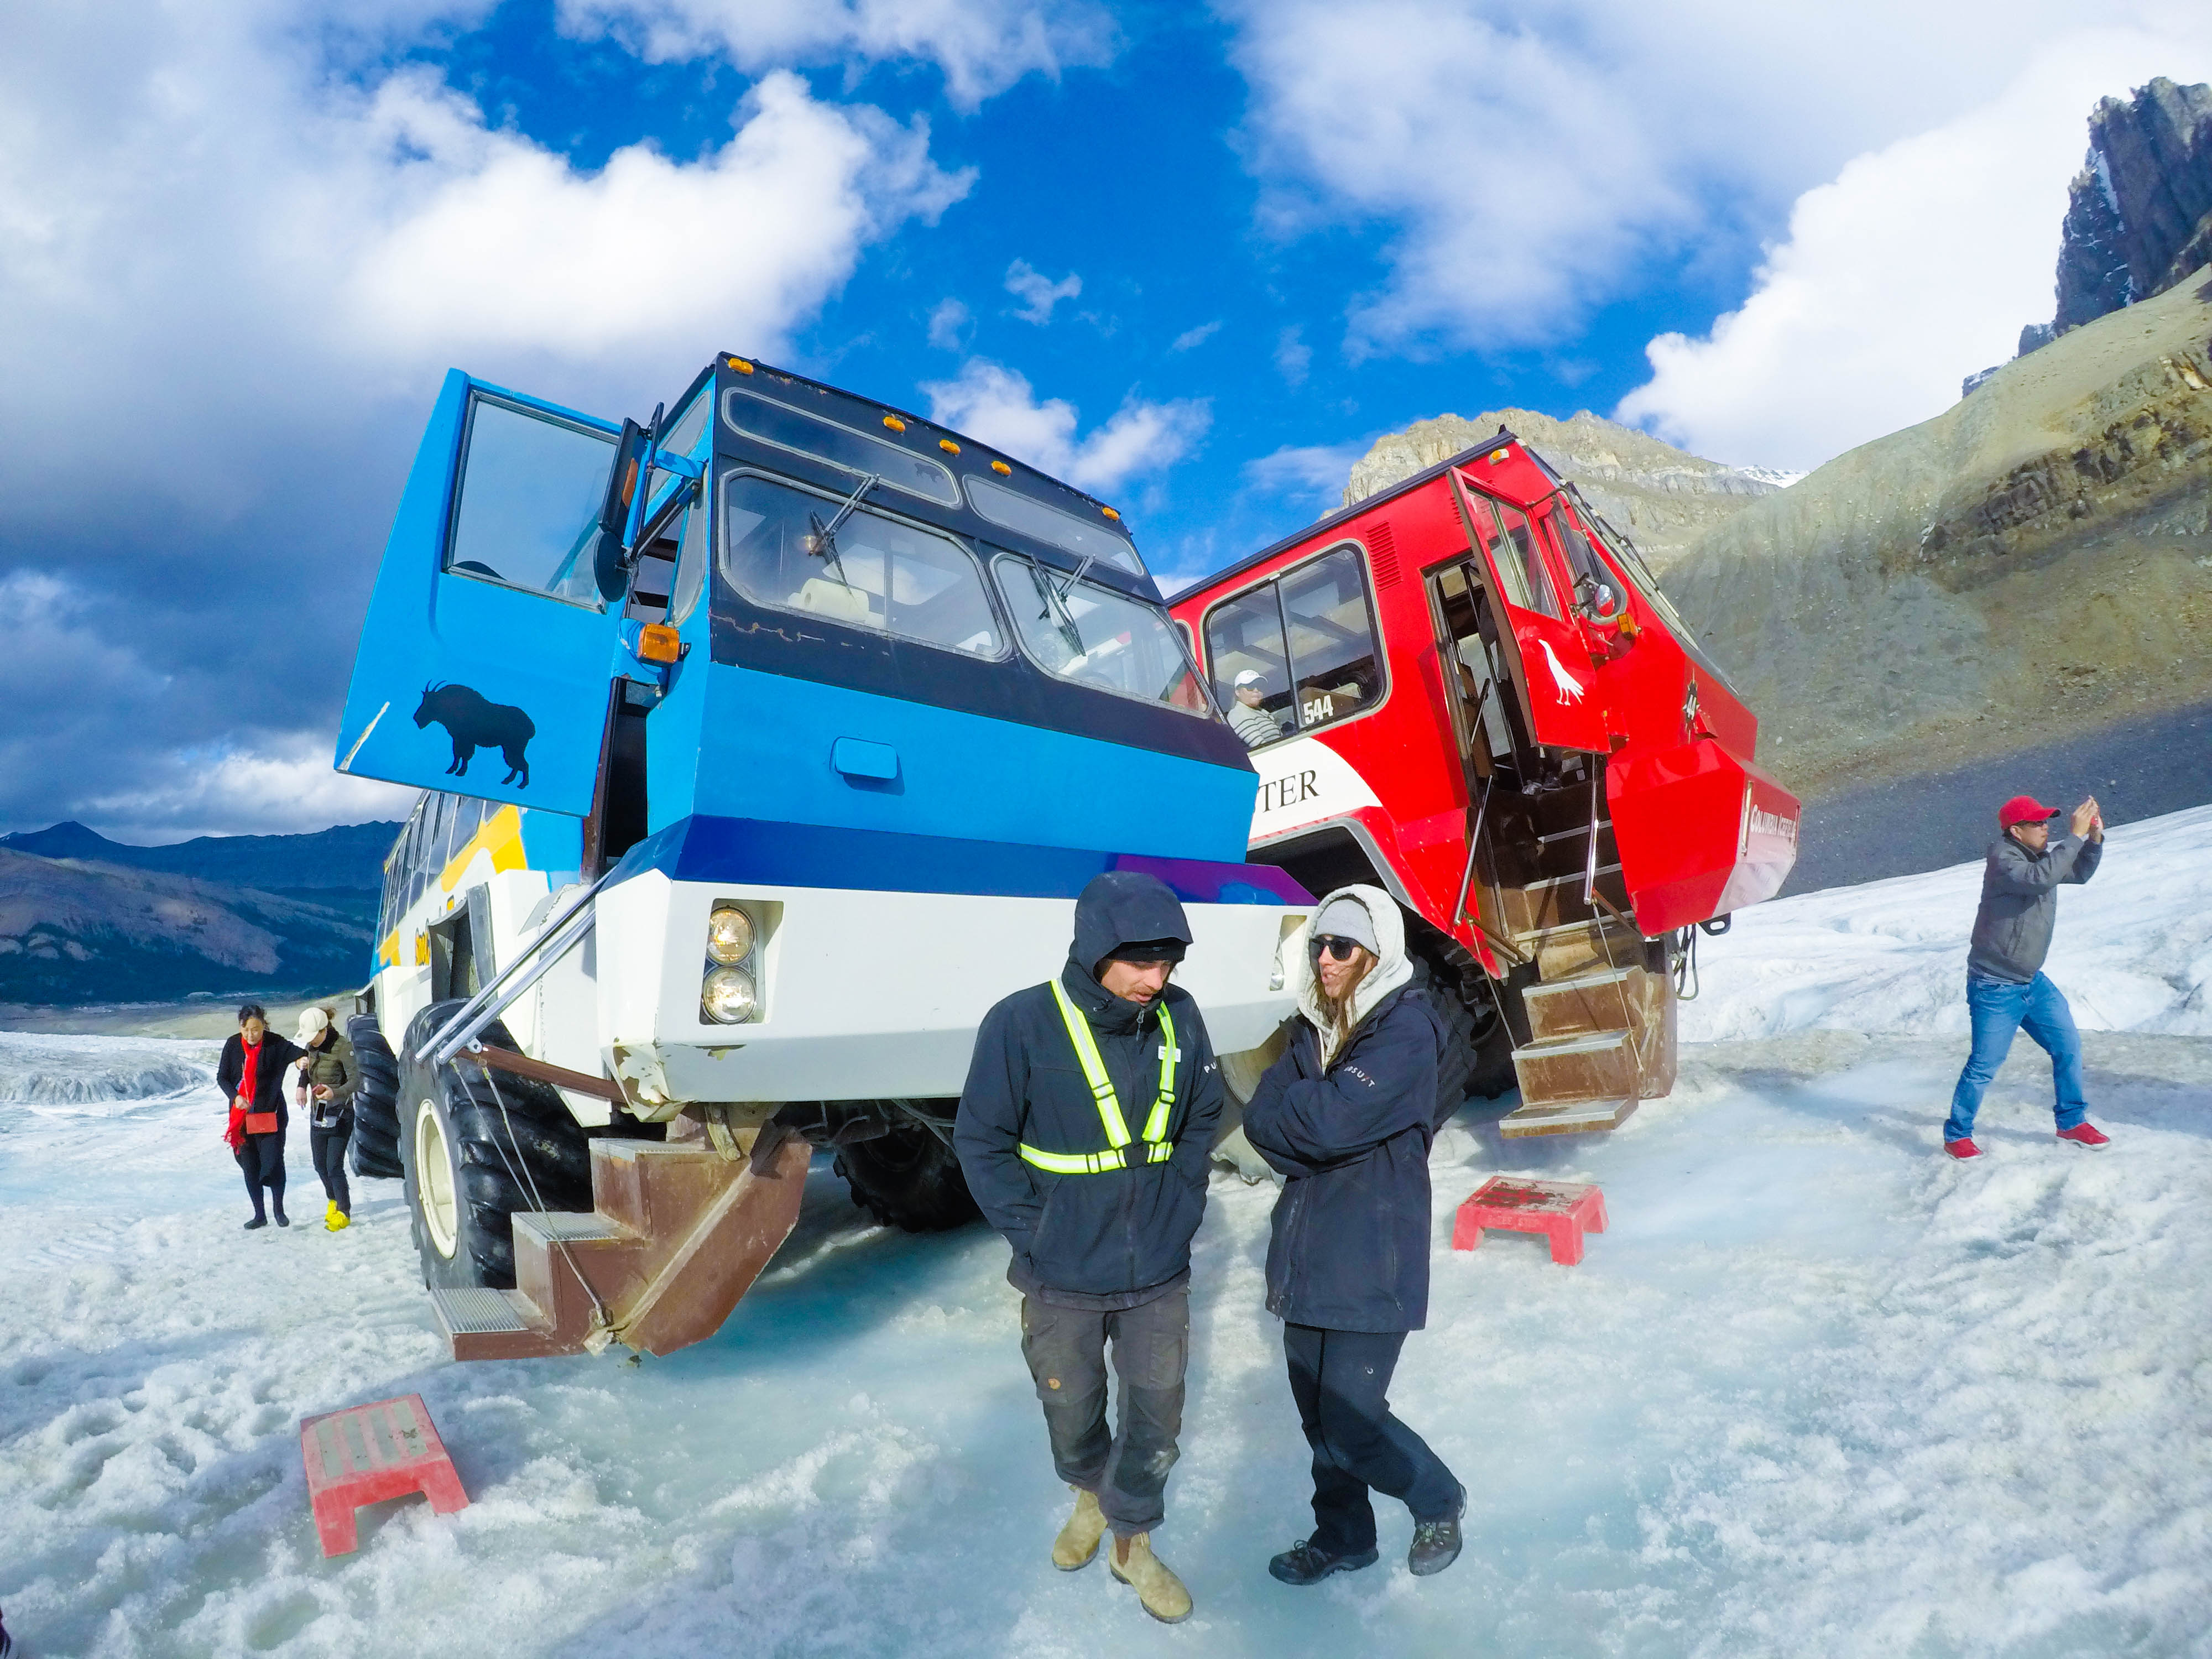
(531, 489)
(872, 572)
(1097, 637)
(1002, 506)
(857, 453)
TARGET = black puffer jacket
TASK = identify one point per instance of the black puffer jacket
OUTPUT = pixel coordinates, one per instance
(1349, 1248)
(1119, 1230)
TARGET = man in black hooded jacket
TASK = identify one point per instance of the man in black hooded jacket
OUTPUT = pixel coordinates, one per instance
(1085, 1130)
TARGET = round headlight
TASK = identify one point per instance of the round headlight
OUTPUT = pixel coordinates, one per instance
(727, 996)
(729, 935)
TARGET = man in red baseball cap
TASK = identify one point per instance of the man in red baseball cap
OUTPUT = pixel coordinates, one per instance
(2006, 990)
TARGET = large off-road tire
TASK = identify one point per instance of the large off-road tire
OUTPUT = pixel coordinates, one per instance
(476, 1146)
(375, 1151)
(909, 1179)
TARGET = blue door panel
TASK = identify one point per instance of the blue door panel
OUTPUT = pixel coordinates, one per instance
(463, 684)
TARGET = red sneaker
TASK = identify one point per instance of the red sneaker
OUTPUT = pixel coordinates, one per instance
(1962, 1149)
(2086, 1134)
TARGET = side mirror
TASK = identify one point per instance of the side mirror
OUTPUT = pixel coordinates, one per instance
(1597, 599)
(609, 567)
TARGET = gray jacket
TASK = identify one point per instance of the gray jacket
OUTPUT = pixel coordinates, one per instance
(2019, 905)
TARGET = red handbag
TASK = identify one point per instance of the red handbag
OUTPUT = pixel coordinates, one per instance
(261, 1123)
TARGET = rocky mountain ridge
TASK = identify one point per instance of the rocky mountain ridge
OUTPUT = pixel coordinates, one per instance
(1663, 497)
(349, 855)
(2035, 562)
(73, 931)
(2139, 214)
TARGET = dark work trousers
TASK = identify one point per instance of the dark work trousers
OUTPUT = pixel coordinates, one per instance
(1066, 1347)
(1341, 1381)
(261, 1158)
(329, 1147)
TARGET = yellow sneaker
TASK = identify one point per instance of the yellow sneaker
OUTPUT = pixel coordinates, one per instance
(1078, 1543)
(1158, 1591)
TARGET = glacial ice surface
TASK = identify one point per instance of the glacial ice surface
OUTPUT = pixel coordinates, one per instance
(1819, 1391)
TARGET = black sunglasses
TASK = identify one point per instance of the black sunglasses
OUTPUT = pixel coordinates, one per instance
(1336, 948)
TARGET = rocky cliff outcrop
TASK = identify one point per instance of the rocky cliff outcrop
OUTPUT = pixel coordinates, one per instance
(1663, 497)
(2139, 214)
(2035, 562)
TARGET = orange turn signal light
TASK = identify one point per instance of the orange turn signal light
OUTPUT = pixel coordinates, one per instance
(659, 642)
(740, 365)
(894, 423)
(1111, 513)
(948, 445)
(1001, 468)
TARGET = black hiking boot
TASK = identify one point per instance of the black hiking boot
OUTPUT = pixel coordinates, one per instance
(258, 1221)
(1308, 1564)
(283, 1220)
(1436, 1543)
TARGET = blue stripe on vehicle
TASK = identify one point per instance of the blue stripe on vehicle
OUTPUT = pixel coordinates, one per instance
(761, 854)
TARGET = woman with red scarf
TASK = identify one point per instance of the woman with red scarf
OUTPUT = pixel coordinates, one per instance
(252, 1073)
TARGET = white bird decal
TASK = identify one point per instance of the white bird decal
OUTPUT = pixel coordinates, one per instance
(1571, 688)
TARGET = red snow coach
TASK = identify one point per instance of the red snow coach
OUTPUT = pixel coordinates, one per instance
(1469, 691)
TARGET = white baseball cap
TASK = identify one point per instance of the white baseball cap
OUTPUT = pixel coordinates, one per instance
(1250, 677)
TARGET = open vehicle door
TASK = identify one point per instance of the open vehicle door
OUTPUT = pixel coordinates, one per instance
(492, 635)
(1550, 664)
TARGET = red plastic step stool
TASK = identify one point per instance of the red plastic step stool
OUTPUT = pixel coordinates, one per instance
(365, 1454)
(1565, 1210)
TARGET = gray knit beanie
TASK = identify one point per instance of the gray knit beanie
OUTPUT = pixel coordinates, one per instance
(1346, 918)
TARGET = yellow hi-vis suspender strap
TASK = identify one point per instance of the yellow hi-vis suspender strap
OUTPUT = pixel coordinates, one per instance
(1158, 1147)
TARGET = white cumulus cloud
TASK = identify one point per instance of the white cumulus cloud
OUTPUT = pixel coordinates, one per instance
(999, 406)
(1525, 162)
(1916, 265)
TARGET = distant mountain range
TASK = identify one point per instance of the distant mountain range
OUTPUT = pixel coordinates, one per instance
(350, 855)
(86, 920)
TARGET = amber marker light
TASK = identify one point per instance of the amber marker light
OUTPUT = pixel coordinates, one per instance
(1111, 513)
(658, 642)
(948, 445)
(1001, 468)
(740, 365)
(894, 423)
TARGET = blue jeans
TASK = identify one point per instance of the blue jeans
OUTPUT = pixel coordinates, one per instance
(1999, 1008)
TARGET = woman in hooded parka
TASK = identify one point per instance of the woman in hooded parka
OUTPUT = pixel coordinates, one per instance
(1346, 1116)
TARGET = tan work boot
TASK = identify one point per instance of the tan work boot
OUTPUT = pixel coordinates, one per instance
(1078, 1543)
(1160, 1592)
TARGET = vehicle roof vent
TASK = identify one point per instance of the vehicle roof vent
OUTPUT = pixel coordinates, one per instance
(1382, 551)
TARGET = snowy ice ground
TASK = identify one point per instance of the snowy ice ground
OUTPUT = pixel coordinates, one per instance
(1819, 1391)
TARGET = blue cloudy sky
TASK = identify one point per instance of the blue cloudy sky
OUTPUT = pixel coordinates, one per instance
(1194, 258)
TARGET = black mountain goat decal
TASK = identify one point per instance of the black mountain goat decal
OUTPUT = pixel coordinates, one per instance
(473, 722)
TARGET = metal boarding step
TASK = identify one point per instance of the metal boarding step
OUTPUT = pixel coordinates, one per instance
(480, 1323)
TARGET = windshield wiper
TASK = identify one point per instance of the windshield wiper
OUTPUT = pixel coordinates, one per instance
(822, 541)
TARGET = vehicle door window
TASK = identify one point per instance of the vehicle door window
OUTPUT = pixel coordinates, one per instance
(1331, 633)
(1575, 547)
(528, 512)
(1475, 664)
(873, 571)
(1506, 531)
(1094, 637)
(1244, 649)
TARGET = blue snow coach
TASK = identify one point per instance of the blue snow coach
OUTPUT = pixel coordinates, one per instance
(767, 744)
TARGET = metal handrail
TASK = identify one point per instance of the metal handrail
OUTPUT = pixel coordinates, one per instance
(496, 998)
